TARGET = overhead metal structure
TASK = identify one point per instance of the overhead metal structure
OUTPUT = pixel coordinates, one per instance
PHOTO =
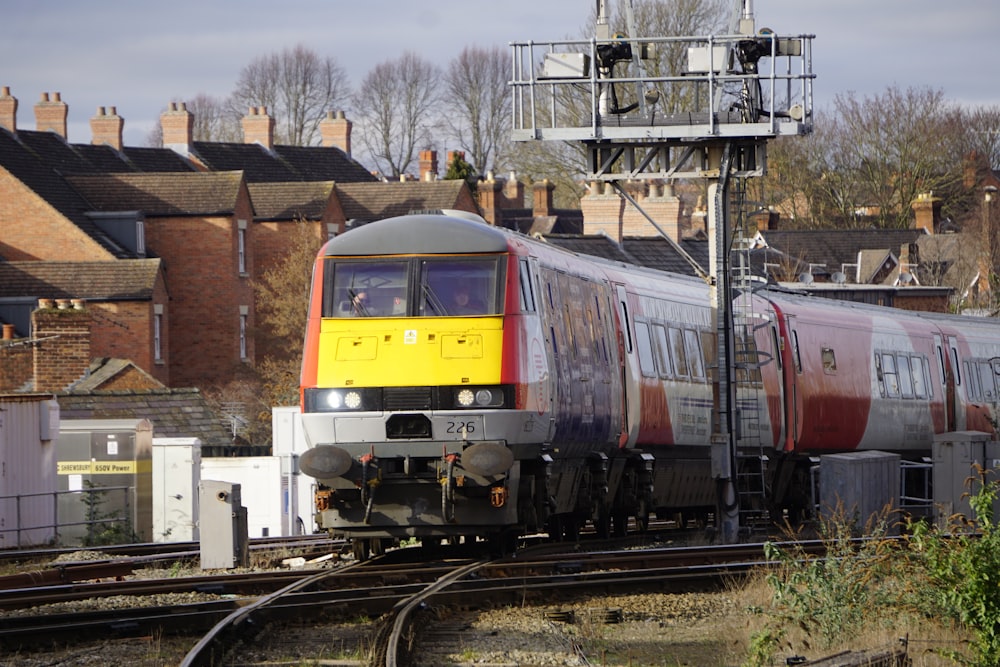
(678, 107)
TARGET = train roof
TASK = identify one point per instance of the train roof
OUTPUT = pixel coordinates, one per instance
(419, 234)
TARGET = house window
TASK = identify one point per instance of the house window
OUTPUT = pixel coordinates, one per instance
(140, 237)
(241, 242)
(244, 314)
(158, 333)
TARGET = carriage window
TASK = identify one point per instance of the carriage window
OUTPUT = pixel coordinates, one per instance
(663, 350)
(364, 289)
(972, 377)
(796, 357)
(919, 377)
(677, 352)
(692, 346)
(776, 346)
(829, 360)
(527, 289)
(645, 347)
(889, 375)
(905, 379)
(988, 381)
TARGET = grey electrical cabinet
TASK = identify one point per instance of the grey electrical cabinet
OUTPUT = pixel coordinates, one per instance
(222, 526)
(860, 487)
(962, 460)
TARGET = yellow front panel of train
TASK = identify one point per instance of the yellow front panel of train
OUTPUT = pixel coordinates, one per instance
(418, 352)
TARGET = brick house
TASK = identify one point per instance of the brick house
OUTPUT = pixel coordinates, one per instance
(200, 225)
(125, 304)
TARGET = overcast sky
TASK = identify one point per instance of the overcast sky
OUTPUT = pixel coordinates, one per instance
(139, 56)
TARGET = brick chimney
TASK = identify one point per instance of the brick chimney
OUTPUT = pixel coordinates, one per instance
(62, 355)
(489, 203)
(106, 128)
(542, 198)
(513, 192)
(50, 114)
(927, 212)
(258, 128)
(177, 124)
(428, 165)
(335, 131)
(8, 109)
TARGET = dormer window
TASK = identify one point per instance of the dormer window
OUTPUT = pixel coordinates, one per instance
(124, 229)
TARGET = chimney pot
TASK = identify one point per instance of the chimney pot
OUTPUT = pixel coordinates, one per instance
(336, 132)
(50, 114)
(258, 128)
(8, 110)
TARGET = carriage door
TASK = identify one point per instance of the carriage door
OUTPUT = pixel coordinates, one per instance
(947, 384)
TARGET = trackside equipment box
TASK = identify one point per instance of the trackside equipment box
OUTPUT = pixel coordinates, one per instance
(860, 487)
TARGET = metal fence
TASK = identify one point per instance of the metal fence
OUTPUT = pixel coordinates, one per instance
(82, 523)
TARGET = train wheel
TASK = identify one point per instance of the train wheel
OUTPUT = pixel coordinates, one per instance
(361, 549)
(602, 524)
(378, 546)
(642, 517)
(571, 529)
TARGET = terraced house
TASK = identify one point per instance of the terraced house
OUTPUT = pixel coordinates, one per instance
(152, 252)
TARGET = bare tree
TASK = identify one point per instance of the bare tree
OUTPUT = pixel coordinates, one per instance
(477, 104)
(869, 159)
(983, 125)
(298, 87)
(395, 105)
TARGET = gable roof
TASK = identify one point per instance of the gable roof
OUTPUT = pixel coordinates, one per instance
(374, 201)
(129, 279)
(169, 194)
(290, 201)
(283, 163)
(106, 370)
(39, 165)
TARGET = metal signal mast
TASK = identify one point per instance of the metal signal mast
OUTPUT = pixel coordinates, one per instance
(667, 108)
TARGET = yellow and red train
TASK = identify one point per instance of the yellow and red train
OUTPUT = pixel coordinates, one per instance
(463, 380)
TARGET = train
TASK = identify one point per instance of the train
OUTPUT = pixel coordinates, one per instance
(463, 381)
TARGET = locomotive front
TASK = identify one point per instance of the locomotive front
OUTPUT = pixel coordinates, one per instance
(414, 401)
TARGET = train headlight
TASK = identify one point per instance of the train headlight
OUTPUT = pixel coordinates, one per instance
(340, 400)
(352, 400)
(479, 397)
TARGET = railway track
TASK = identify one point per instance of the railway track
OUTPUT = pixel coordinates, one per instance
(390, 588)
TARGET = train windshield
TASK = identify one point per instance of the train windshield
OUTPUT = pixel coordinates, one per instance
(423, 286)
(453, 286)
